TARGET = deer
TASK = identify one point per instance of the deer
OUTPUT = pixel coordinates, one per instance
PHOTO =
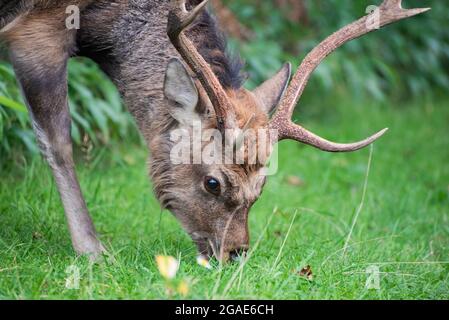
(170, 63)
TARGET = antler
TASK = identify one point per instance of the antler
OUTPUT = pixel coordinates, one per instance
(178, 20)
(389, 11)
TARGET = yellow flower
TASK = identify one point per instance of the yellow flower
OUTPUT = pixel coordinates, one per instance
(168, 266)
(204, 262)
(183, 288)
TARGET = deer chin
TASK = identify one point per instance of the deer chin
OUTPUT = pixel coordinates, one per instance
(203, 240)
(208, 247)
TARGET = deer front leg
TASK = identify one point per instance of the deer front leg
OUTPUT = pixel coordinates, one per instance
(43, 78)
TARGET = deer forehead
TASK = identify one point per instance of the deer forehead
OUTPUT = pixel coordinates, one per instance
(247, 108)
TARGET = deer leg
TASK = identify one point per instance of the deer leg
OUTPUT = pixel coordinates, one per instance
(42, 74)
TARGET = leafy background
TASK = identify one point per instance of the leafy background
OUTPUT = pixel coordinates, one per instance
(400, 63)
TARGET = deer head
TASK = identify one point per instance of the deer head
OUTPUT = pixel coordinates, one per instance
(212, 201)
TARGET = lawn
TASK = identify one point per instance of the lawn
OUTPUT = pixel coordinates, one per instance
(321, 210)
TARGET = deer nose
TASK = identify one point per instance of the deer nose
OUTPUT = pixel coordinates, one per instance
(238, 254)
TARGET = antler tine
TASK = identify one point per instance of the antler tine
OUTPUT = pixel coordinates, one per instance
(184, 17)
(178, 20)
(300, 134)
(389, 11)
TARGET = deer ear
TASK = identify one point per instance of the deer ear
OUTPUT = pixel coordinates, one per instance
(179, 88)
(271, 91)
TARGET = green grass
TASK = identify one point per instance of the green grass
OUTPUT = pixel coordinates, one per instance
(403, 226)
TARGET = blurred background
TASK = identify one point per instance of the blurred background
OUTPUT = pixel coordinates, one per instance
(403, 62)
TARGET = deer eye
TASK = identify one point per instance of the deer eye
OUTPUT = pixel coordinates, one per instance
(212, 185)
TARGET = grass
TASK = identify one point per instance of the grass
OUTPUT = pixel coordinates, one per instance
(401, 226)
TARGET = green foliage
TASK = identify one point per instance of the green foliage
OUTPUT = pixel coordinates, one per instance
(14, 123)
(407, 59)
(95, 106)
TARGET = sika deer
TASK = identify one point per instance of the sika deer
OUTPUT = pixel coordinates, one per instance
(128, 39)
